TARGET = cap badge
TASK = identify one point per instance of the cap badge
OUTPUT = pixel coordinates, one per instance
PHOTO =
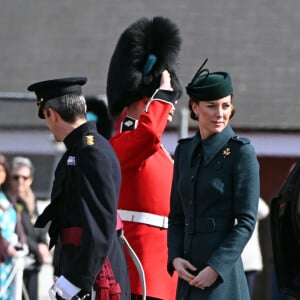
(90, 140)
(40, 101)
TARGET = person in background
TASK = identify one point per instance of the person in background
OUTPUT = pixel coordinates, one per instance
(84, 198)
(22, 173)
(97, 111)
(9, 237)
(6, 249)
(214, 197)
(142, 80)
(251, 255)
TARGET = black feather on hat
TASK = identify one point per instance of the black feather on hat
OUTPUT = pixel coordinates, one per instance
(143, 51)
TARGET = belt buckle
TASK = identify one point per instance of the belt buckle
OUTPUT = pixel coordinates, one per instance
(132, 217)
(164, 222)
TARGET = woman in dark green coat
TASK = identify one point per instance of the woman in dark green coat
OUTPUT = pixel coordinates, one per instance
(214, 197)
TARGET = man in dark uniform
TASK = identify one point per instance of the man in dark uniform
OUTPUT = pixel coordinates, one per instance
(84, 196)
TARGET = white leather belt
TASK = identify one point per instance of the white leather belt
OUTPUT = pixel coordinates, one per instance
(142, 217)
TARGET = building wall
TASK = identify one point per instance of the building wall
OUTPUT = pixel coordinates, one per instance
(254, 40)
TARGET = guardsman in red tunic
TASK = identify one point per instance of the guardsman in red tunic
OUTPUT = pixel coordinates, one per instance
(142, 80)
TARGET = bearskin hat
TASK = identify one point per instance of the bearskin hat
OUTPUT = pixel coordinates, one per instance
(143, 51)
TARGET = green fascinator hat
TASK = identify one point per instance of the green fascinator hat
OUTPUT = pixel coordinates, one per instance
(208, 86)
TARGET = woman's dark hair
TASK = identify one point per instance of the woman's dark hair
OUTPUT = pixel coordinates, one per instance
(192, 114)
(4, 163)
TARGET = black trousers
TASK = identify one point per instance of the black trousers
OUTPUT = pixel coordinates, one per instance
(30, 278)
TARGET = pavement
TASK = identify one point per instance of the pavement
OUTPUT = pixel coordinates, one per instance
(46, 273)
(45, 281)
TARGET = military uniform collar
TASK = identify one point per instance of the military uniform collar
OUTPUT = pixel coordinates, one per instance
(76, 135)
(129, 123)
(212, 145)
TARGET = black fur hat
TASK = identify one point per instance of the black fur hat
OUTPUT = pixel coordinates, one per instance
(144, 50)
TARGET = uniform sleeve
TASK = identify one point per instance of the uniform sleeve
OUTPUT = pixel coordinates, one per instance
(246, 194)
(98, 181)
(176, 221)
(133, 147)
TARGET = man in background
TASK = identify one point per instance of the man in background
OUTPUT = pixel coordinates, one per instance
(97, 111)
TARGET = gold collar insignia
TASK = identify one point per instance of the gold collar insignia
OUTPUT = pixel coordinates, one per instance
(90, 140)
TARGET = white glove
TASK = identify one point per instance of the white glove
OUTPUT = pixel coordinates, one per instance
(64, 288)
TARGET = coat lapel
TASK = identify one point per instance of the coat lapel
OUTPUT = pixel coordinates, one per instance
(212, 145)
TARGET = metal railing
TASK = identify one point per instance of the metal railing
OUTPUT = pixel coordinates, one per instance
(16, 278)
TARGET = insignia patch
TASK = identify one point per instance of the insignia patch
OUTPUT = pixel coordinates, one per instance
(128, 124)
(71, 161)
(90, 140)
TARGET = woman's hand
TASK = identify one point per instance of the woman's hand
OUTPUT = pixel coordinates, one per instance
(205, 278)
(182, 267)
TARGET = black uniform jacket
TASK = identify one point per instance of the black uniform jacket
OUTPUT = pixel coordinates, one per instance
(84, 196)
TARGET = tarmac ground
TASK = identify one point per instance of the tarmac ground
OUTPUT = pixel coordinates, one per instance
(45, 281)
(46, 273)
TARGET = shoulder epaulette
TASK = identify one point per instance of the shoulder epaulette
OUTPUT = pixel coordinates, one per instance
(240, 139)
(183, 140)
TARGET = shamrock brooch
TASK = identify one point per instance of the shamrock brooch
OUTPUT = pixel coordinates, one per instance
(226, 152)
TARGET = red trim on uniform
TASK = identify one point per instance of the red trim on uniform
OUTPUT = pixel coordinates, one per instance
(72, 235)
(105, 285)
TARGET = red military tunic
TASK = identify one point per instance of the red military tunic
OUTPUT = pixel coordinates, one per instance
(147, 171)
